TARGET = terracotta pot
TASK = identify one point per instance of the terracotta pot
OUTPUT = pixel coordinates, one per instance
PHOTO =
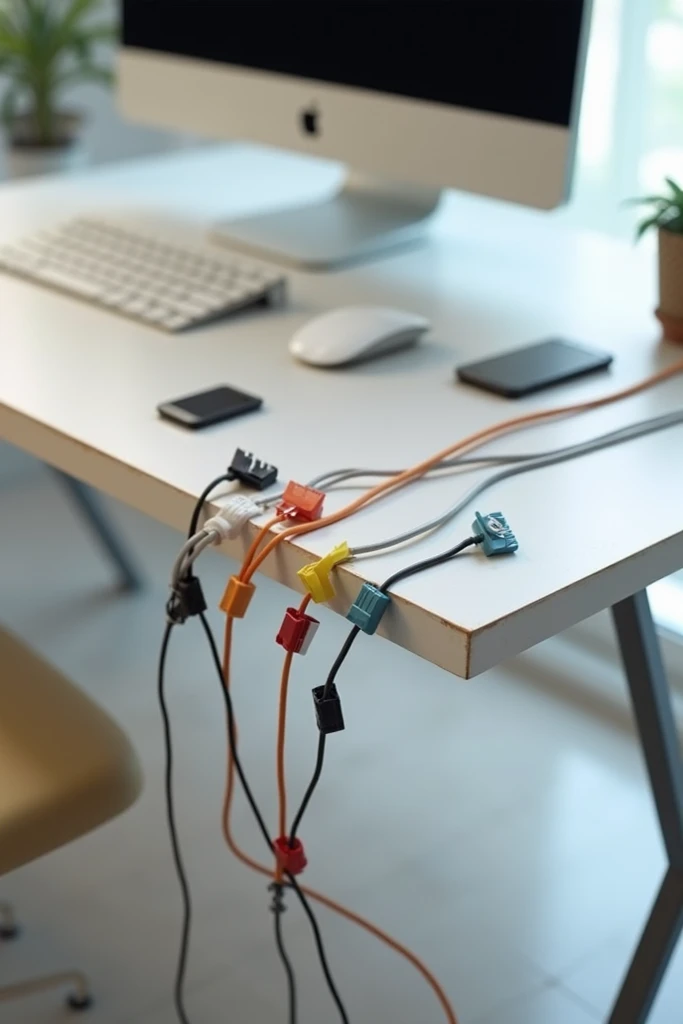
(25, 157)
(670, 311)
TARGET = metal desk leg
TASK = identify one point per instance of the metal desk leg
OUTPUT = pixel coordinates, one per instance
(653, 710)
(89, 506)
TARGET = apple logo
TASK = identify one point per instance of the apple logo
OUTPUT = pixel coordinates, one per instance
(309, 119)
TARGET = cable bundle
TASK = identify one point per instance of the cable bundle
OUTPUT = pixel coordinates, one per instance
(187, 600)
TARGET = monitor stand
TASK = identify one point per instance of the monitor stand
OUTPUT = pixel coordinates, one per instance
(367, 218)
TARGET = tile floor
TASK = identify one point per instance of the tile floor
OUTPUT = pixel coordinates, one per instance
(502, 827)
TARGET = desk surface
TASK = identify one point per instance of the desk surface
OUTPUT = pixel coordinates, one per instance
(78, 388)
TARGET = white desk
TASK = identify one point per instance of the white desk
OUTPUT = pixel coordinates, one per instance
(78, 388)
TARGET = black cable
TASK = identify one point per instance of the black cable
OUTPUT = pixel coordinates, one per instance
(310, 789)
(186, 899)
(278, 908)
(179, 984)
(340, 659)
(402, 574)
(320, 757)
(428, 563)
(232, 739)
(232, 734)
(319, 944)
(194, 521)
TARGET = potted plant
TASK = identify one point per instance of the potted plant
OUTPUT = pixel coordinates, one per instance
(666, 214)
(46, 48)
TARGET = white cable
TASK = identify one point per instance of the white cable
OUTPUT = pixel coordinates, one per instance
(232, 517)
(227, 523)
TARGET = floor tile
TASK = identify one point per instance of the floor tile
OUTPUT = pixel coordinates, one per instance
(549, 1006)
(598, 978)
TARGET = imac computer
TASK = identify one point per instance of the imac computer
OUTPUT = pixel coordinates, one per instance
(411, 95)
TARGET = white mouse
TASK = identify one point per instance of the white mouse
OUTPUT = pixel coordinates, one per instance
(353, 333)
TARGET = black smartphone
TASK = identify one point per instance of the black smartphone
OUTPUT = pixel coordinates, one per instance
(534, 367)
(206, 407)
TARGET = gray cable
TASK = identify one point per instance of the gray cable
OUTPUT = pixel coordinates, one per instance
(177, 570)
(340, 476)
(191, 556)
(560, 455)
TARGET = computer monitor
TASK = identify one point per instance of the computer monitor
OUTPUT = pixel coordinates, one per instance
(412, 95)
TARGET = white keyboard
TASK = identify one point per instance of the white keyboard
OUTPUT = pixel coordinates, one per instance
(161, 283)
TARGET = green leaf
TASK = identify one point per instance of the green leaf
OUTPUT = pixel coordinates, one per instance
(86, 73)
(645, 226)
(9, 12)
(102, 33)
(38, 31)
(45, 38)
(105, 76)
(676, 189)
(647, 201)
(11, 40)
(83, 41)
(74, 14)
(81, 46)
(36, 12)
(675, 224)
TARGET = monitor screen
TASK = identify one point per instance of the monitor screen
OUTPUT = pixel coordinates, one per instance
(510, 57)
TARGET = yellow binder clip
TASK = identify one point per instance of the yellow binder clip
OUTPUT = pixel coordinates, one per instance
(316, 576)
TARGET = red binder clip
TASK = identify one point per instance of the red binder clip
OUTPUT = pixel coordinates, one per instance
(297, 631)
(300, 502)
(291, 858)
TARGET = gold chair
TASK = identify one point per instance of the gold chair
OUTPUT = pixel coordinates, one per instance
(65, 769)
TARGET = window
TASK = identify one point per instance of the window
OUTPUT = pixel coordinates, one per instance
(631, 132)
(630, 139)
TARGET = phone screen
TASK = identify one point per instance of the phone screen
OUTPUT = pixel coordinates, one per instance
(213, 406)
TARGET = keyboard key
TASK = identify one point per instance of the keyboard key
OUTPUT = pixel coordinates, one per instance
(210, 300)
(189, 308)
(70, 282)
(116, 297)
(176, 322)
(137, 305)
(158, 312)
(15, 259)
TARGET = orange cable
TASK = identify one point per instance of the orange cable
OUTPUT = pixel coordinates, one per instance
(281, 732)
(280, 758)
(281, 729)
(466, 444)
(230, 777)
(280, 754)
(256, 543)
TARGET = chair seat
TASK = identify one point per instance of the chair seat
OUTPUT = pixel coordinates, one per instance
(65, 766)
